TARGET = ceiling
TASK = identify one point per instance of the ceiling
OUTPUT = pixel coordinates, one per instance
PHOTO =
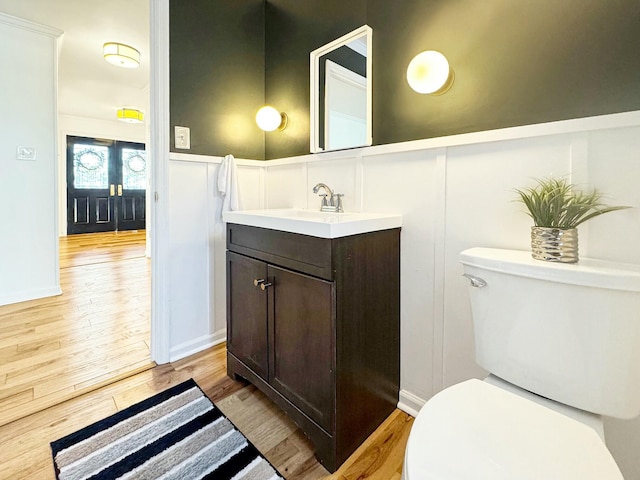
(88, 86)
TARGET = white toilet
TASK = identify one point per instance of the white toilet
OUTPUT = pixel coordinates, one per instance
(562, 345)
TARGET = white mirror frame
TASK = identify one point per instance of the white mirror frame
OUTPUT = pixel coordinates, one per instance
(363, 32)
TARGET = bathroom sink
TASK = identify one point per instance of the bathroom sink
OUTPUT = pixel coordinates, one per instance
(315, 222)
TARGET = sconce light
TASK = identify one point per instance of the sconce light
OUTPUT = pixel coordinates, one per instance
(429, 73)
(130, 115)
(270, 119)
(121, 55)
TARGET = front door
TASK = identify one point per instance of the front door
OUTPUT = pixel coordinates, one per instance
(106, 185)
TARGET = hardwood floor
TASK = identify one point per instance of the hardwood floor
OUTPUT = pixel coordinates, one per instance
(24, 444)
(59, 357)
(98, 330)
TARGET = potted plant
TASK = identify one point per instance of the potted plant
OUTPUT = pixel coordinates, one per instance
(557, 208)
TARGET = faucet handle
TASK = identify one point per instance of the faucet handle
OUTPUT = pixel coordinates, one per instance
(324, 199)
(339, 202)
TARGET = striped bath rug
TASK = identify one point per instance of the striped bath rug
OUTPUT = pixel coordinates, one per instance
(177, 434)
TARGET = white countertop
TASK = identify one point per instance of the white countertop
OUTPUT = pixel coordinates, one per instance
(314, 222)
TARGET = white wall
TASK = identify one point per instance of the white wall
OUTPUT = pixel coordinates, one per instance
(197, 244)
(29, 243)
(454, 193)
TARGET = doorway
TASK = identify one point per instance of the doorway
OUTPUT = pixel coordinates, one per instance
(106, 185)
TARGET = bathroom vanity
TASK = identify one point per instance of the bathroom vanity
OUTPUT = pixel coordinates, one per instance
(313, 320)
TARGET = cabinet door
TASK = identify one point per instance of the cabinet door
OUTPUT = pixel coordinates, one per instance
(247, 312)
(302, 349)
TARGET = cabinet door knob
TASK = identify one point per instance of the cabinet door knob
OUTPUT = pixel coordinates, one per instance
(257, 281)
(264, 286)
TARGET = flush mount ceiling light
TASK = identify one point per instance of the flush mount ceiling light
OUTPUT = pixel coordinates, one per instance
(121, 55)
(270, 119)
(130, 115)
(429, 73)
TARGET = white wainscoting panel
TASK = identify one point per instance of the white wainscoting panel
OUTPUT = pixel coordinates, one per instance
(217, 259)
(614, 168)
(339, 175)
(251, 187)
(406, 183)
(189, 280)
(286, 185)
(482, 211)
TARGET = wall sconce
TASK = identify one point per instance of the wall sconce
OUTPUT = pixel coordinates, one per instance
(429, 73)
(130, 115)
(270, 119)
(121, 55)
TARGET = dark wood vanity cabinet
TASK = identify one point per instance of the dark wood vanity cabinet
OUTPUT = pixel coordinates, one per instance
(315, 324)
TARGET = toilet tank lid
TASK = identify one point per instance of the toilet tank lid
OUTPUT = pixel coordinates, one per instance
(587, 272)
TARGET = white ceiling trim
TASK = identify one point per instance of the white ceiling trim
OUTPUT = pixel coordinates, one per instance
(30, 26)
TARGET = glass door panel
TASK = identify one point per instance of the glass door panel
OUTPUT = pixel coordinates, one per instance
(90, 166)
(106, 185)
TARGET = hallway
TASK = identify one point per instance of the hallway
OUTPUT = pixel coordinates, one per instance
(97, 331)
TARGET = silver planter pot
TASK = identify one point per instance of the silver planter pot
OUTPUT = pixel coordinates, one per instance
(554, 244)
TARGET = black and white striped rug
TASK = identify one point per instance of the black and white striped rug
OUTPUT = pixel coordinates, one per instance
(177, 434)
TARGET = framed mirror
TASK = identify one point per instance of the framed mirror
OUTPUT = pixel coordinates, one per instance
(340, 87)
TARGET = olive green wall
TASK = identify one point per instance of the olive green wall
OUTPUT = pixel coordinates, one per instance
(293, 29)
(217, 75)
(516, 63)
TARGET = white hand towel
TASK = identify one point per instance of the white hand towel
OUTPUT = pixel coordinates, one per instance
(228, 184)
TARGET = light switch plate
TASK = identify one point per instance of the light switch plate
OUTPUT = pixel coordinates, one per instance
(183, 137)
(26, 153)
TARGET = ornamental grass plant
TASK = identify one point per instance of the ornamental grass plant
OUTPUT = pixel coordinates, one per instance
(554, 203)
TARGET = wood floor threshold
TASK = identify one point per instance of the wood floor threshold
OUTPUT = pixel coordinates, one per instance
(12, 417)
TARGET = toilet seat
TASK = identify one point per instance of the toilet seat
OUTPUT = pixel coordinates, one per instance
(475, 431)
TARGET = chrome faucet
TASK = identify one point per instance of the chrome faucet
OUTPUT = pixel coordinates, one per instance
(333, 203)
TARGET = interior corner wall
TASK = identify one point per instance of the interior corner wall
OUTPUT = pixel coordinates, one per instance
(217, 75)
(28, 244)
(515, 63)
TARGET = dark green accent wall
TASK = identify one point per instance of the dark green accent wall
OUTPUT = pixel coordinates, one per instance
(217, 75)
(294, 29)
(516, 63)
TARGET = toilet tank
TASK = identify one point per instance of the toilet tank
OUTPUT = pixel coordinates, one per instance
(568, 332)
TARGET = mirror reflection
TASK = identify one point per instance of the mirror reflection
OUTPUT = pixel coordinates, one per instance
(341, 92)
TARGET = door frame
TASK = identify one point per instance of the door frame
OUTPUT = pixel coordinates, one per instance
(159, 148)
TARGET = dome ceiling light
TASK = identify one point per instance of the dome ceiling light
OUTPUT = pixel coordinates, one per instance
(121, 55)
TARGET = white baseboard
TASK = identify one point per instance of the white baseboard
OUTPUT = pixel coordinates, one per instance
(30, 295)
(197, 345)
(410, 403)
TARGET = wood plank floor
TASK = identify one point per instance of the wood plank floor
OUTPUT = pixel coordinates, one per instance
(98, 330)
(24, 444)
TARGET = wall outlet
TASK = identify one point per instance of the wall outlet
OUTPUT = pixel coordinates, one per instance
(26, 153)
(183, 137)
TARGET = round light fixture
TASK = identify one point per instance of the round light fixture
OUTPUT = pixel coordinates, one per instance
(429, 73)
(270, 119)
(121, 55)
